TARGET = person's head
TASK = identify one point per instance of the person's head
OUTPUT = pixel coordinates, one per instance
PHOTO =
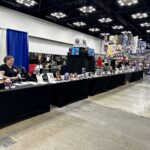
(9, 60)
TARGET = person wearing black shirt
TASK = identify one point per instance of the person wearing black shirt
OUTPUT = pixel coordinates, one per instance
(10, 70)
(124, 62)
(113, 64)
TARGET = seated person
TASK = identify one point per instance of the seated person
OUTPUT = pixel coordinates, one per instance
(11, 71)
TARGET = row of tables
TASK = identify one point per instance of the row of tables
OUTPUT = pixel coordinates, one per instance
(28, 100)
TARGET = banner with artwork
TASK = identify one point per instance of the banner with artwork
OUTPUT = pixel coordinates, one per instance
(124, 43)
(141, 47)
(135, 45)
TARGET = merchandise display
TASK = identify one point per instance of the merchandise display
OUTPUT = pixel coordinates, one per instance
(58, 65)
(74, 51)
(1, 75)
(124, 43)
(90, 52)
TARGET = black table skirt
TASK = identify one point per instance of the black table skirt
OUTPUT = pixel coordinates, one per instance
(21, 102)
(98, 85)
(1, 86)
(140, 75)
(69, 92)
(128, 77)
(136, 76)
(102, 84)
(18, 103)
(116, 81)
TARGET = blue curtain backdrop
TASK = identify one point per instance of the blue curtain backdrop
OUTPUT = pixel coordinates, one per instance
(17, 46)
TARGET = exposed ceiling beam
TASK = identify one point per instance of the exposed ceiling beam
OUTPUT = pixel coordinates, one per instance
(109, 11)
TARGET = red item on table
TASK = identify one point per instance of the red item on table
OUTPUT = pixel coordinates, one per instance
(99, 62)
(31, 68)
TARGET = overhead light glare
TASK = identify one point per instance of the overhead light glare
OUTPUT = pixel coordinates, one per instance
(58, 15)
(27, 3)
(87, 9)
(117, 27)
(94, 29)
(126, 32)
(127, 2)
(139, 15)
(104, 34)
(105, 20)
(79, 24)
(148, 31)
(146, 24)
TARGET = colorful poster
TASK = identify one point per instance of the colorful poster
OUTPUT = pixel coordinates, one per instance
(111, 50)
(125, 39)
(119, 48)
(135, 45)
(142, 47)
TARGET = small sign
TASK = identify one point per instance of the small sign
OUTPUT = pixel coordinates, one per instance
(50, 77)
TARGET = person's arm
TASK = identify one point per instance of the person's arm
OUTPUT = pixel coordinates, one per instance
(14, 78)
(5, 77)
(3, 69)
(11, 78)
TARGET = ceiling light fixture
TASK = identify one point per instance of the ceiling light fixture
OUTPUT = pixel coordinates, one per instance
(105, 20)
(146, 24)
(104, 34)
(127, 2)
(139, 15)
(28, 3)
(148, 31)
(58, 15)
(79, 24)
(87, 9)
(94, 29)
(126, 32)
(117, 27)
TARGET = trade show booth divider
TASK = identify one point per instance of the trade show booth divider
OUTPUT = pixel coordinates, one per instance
(15, 43)
(17, 46)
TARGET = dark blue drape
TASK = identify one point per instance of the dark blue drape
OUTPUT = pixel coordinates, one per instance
(17, 46)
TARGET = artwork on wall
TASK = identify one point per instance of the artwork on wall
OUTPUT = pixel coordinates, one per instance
(124, 43)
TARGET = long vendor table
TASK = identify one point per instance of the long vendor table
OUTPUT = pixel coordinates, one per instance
(31, 99)
(102, 84)
(23, 101)
(69, 92)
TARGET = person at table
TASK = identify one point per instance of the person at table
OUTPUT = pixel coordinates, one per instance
(124, 62)
(11, 71)
(113, 64)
